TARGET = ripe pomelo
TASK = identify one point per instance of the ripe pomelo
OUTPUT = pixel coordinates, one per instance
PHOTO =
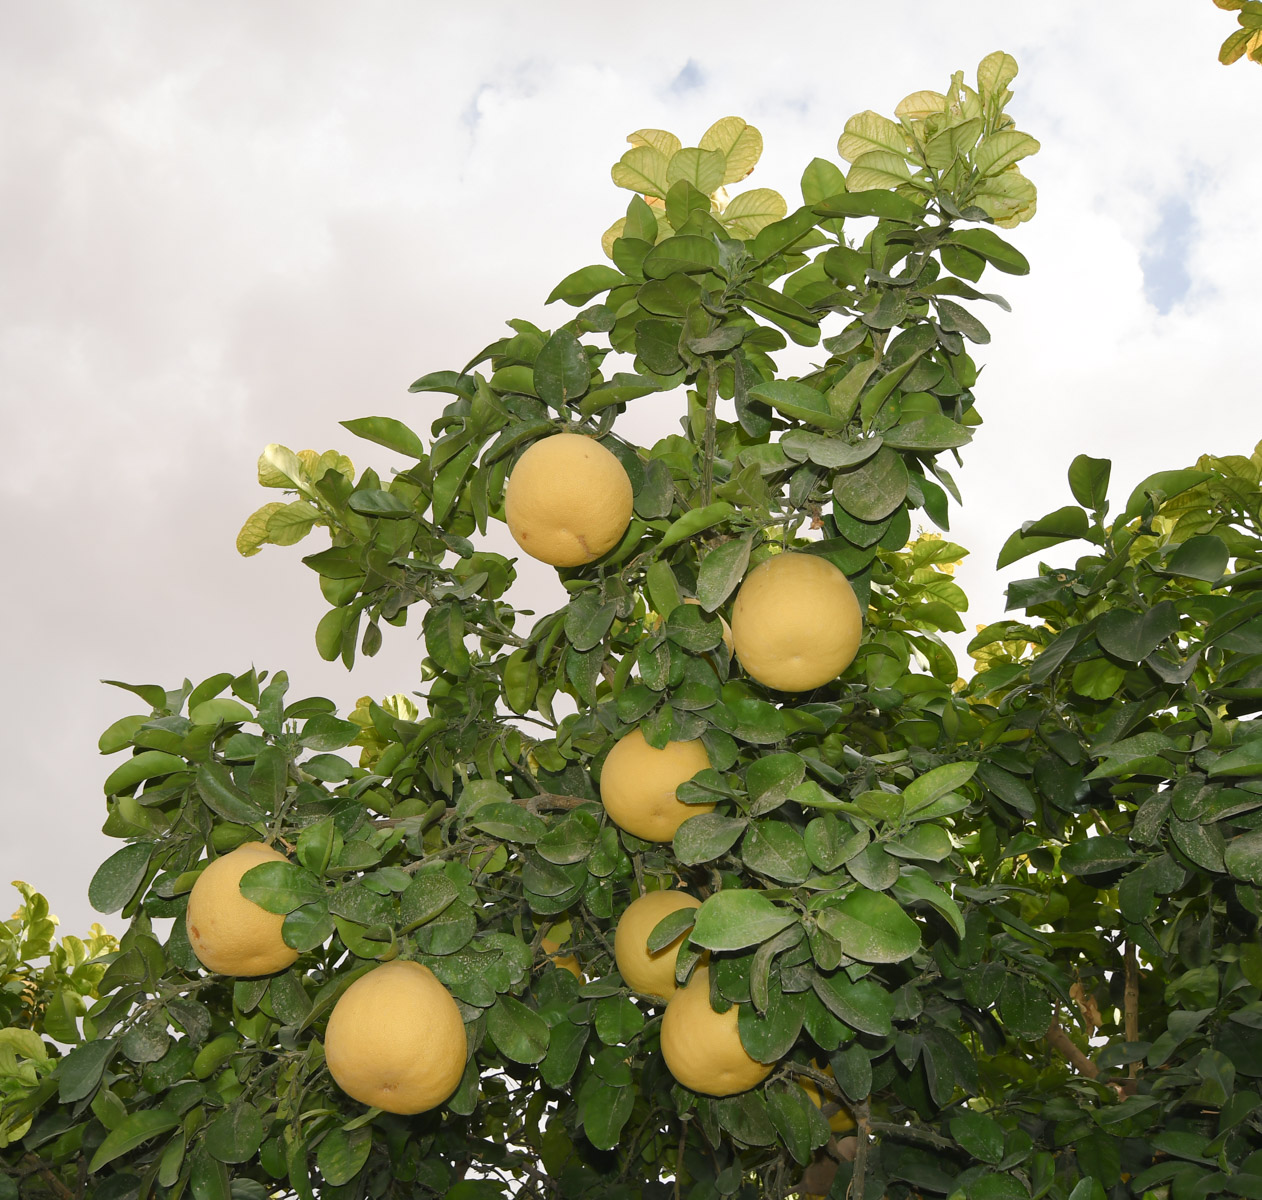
(228, 933)
(568, 500)
(638, 784)
(395, 1039)
(702, 1048)
(796, 622)
(653, 974)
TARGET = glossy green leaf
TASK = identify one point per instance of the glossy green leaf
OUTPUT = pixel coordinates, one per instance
(736, 918)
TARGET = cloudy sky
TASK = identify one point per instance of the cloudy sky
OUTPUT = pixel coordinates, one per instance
(232, 224)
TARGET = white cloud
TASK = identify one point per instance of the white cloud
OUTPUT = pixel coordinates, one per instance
(238, 225)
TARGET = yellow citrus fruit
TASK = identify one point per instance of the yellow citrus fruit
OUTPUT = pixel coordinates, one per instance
(638, 784)
(702, 1048)
(563, 962)
(568, 500)
(652, 974)
(228, 933)
(396, 1040)
(796, 622)
(840, 1121)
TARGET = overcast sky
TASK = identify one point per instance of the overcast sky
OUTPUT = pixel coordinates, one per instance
(232, 224)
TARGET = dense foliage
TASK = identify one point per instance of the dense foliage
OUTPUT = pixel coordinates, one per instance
(1008, 925)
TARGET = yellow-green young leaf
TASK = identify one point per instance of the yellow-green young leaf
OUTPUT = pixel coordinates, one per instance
(994, 73)
(751, 212)
(611, 235)
(25, 1042)
(254, 532)
(1002, 149)
(704, 169)
(1007, 198)
(868, 131)
(642, 169)
(877, 170)
(952, 142)
(331, 460)
(920, 105)
(664, 143)
(280, 467)
(291, 523)
(741, 145)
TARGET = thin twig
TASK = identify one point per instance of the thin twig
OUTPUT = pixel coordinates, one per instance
(863, 1131)
(679, 1155)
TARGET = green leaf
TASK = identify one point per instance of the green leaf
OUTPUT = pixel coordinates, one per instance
(118, 877)
(756, 721)
(605, 1113)
(1166, 484)
(509, 822)
(980, 1135)
(820, 180)
(1204, 556)
(388, 432)
(1243, 760)
(878, 203)
(928, 433)
(342, 1155)
(1089, 481)
(1133, 636)
(989, 245)
(373, 502)
(1063, 525)
(932, 785)
(223, 797)
(736, 918)
(136, 1129)
(562, 372)
(704, 837)
(236, 1134)
(865, 1005)
(617, 1020)
(874, 490)
(148, 764)
(798, 401)
(580, 286)
(520, 1033)
(721, 570)
(280, 887)
(1243, 856)
(871, 927)
(685, 253)
(770, 778)
(80, 1071)
(1096, 856)
(916, 885)
(694, 521)
(774, 849)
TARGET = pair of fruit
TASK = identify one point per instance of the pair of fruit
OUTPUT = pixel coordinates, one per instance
(795, 621)
(702, 1048)
(395, 1038)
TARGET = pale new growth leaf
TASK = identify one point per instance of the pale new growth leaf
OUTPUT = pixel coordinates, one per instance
(280, 467)
(291, 523)
(1008, 198)
(666, 144)
(704, 169)
(611, 235)
(1001, 150)
(753, 211)
(866, 132)
(741, 143)
(254, 532)
(878, 169)
(642, 169)
(920, 105)
(994, 73)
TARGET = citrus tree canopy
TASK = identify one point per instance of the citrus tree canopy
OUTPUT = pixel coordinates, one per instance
(719, 880)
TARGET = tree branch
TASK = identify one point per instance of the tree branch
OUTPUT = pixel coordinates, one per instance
(1130, 1000)
(1060, 1041)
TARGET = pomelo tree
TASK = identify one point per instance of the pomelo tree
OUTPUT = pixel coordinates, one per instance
(990, 937)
